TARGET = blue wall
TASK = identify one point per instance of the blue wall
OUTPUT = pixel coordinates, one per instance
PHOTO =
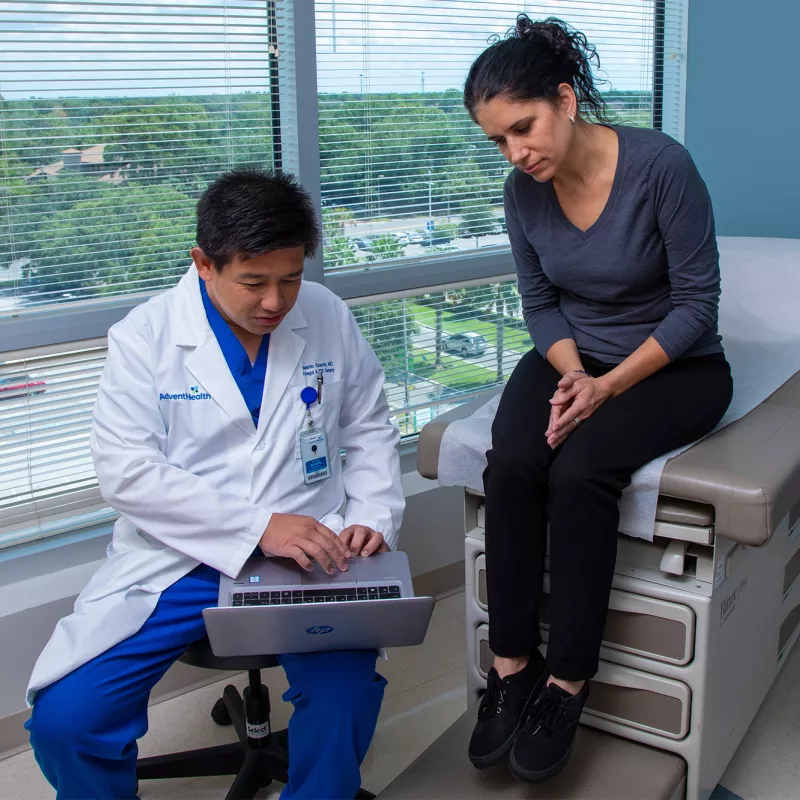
(743, 112)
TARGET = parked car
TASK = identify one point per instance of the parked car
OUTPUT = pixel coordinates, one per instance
(416, 237)
(400, 237)
(436, 238)
(16, 386)
(465, 344)
(361, 244)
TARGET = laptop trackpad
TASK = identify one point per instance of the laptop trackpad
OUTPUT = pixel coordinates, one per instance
(319, 576)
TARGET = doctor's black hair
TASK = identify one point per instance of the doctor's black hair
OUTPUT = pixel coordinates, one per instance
(531, 62)
(249, 212)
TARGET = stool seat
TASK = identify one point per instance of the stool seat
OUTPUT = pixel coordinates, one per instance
(200, 654)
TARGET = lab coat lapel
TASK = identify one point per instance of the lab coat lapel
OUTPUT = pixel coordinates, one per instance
(209, 367)
(285, 350)
(205, 361)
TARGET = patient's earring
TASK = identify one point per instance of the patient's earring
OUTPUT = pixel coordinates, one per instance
(572, 119)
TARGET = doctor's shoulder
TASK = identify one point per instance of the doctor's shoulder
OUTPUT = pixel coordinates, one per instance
(145, 323)
(322, 308)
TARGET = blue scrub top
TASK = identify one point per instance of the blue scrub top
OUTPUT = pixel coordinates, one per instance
(249, 377)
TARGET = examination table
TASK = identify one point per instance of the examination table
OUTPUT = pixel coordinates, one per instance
(700, 621)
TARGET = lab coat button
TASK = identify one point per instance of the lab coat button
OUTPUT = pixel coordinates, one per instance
(261, 446)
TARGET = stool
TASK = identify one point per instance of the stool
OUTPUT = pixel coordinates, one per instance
(259, 757)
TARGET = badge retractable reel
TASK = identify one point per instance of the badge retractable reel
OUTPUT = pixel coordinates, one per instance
(313, 442)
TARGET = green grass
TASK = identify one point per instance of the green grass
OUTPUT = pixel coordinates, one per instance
(515, 339)
(454, 372)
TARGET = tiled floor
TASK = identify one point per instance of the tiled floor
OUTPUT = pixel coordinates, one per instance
(426, 693)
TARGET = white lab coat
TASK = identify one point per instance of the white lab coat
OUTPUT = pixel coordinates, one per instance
(194, 481)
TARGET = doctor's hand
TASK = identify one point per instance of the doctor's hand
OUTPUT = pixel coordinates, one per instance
(363, 540)
(577, 398)
(303, 538)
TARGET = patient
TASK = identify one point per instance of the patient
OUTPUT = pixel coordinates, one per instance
(612, 233)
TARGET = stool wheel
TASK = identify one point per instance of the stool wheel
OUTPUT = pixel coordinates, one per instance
(220, 713)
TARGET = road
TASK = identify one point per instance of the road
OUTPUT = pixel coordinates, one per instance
(369, 228)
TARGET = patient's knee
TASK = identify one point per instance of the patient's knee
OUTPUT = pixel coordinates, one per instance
(513, 461)
(573, 478)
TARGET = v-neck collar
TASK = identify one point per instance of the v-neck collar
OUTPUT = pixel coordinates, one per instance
(612, 197)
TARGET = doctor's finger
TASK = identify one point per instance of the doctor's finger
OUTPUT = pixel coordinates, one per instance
(361, 537)
(332, 539)
(374, 544)
(295, 552)
(318, 553)
(333, 549)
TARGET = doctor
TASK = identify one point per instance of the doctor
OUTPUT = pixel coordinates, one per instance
(197, 444)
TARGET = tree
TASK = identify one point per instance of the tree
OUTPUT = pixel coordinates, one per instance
(129, 238)
(443, 232)
(384, 248)
(477, 217)
(170, 138)
(337, 249)
(390, 331)
(13, 195)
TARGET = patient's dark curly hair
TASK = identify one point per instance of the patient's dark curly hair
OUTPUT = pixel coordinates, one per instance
(531, 62)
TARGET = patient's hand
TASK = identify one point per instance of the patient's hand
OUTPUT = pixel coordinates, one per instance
(360, 539)
(577, 397)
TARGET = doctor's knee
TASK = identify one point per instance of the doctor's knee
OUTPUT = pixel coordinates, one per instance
(62, 719)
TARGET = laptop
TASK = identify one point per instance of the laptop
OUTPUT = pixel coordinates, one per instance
(274, 606)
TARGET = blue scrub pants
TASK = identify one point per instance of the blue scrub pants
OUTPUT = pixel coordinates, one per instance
(84, 727)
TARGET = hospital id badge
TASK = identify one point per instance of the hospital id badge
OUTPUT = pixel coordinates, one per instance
(314, 455)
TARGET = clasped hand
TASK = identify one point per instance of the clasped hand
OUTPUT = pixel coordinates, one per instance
(578, 396)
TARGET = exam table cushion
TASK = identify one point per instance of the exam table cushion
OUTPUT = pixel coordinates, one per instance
(743, 479)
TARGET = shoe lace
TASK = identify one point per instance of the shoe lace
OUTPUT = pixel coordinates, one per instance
(493, 698)
(545, 714)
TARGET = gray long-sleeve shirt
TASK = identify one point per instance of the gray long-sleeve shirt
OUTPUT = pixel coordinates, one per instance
(647, 267)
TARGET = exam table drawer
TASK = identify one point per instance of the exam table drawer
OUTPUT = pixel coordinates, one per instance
(627, 696)
(635, 624)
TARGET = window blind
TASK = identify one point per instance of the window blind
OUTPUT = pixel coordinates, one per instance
(437, 349)
(114, 116)
(405, 173)
(46, 399)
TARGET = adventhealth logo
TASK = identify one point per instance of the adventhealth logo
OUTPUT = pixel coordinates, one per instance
(194, 393)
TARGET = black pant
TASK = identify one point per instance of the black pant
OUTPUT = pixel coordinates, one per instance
(577, 487)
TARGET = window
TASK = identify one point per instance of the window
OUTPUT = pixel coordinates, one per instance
(405, 173)
(441, 348)
(115, 116)
(113, 119)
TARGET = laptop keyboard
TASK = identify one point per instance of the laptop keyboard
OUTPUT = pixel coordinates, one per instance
(300, 596)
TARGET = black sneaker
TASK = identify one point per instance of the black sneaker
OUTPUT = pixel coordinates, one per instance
(501, 712)
(544, 744)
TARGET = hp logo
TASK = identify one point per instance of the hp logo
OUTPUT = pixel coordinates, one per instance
(319, 630)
